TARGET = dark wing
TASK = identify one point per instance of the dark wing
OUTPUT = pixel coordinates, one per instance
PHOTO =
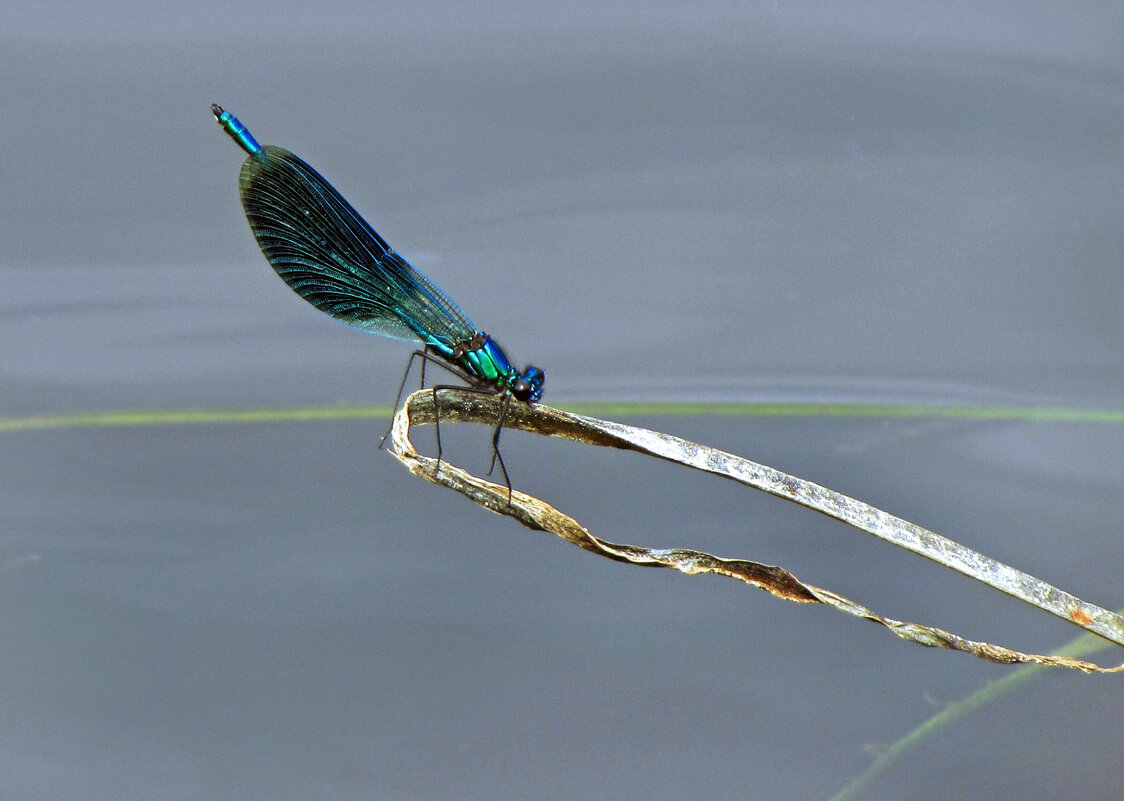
(332, 258)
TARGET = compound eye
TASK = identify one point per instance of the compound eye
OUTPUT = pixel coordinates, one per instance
(521, 389)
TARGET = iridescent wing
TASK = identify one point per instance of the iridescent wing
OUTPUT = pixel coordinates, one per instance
(332, 258)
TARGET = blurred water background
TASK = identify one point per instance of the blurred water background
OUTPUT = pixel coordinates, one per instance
(873, 202)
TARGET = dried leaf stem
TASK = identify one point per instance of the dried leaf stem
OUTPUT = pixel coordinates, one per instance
(458, 406)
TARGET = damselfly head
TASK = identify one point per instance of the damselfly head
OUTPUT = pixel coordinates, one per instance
(528, 387)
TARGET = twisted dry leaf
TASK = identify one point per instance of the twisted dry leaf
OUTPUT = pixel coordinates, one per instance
(466, 406)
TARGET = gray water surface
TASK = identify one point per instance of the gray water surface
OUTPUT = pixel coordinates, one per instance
(891, 203)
